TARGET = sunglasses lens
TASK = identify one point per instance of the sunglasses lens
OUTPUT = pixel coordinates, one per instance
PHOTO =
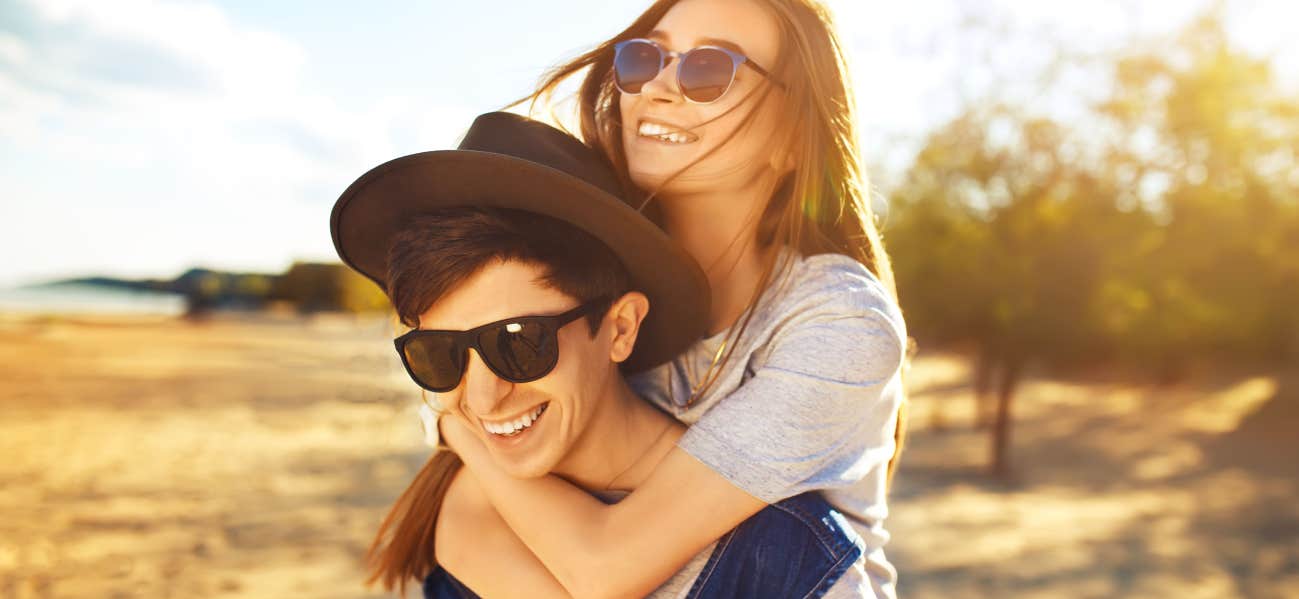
(634, 65)
(705, 74)
(434, 361)
(519, 351)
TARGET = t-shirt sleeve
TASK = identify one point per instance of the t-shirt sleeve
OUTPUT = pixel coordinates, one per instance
(819, 412)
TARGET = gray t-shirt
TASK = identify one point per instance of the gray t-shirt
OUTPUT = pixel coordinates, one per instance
(808, 400)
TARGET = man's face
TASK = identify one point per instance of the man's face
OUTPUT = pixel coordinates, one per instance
(566, 399)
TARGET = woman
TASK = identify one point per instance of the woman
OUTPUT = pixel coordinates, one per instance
(735, 121)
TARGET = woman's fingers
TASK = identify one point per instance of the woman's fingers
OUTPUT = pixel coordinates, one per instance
(458, 434)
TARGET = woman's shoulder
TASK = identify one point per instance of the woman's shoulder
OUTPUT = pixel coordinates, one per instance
(830, 317)
(830, 286)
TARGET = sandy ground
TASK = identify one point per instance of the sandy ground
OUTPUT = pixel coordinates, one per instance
(254, 458)
(1121, 490)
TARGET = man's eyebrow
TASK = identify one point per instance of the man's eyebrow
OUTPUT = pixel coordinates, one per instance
(662, 36)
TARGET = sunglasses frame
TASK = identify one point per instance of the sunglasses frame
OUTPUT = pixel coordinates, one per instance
(469, 339)
(737, 59)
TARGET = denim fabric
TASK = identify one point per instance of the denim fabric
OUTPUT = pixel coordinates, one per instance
(798, 547)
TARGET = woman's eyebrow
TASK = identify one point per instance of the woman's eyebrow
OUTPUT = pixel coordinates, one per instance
(663, 37)
(713, 41)
(660, 36)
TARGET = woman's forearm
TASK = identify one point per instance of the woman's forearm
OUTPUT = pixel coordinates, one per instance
(564, 527)
(475, 546)
(599, 550)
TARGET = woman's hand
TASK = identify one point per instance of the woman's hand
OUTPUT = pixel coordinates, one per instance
(458, 433)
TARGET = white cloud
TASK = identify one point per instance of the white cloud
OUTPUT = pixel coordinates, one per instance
(197, 33)
(147, 136)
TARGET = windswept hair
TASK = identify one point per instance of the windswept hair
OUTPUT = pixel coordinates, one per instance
(824, 205)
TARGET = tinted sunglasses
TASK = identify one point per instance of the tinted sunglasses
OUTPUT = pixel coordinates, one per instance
(704, 73)
(518, 350)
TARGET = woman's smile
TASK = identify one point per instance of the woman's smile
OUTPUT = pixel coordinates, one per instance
(661, 131)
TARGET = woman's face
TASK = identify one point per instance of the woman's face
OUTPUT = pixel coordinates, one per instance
(703, 129)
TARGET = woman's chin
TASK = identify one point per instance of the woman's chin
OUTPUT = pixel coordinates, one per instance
(648, 181)
(679, 179)
(650, 168)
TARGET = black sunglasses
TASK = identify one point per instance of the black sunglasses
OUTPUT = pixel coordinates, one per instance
(704, 73)
(518, 350)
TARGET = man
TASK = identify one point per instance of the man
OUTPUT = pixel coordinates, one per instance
(516, 247)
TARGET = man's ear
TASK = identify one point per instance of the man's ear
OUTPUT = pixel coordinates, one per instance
(626, 315)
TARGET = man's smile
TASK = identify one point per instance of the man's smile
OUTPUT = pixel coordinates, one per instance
(514, 426)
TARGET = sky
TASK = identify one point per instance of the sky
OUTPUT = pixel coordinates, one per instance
(139, 138)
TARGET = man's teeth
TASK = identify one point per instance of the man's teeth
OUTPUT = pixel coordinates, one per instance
(663, 133)
(517, 425)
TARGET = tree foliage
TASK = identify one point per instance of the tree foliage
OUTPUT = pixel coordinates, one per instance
(1168, 229)
(1161, 231)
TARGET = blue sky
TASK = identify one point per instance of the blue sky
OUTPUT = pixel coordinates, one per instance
(143, 137)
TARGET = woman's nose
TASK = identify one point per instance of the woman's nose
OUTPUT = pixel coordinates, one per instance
(482, 389)
(664, 87)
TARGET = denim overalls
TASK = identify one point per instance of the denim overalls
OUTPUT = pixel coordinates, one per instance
(798, 547)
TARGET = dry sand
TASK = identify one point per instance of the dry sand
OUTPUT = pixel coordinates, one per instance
(254, 458)
(1122, 490)
(229, 459)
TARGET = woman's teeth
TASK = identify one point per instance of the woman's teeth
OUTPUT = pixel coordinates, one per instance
(516, 426)
(664, 133)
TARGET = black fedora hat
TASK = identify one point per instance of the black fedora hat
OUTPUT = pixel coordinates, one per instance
(509, 161)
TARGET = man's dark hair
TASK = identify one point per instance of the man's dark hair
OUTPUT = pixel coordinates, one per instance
(439, 250)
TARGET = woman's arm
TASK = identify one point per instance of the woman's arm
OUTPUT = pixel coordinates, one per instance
(625, 549)
(476, 546)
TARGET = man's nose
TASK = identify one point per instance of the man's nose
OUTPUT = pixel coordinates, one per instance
(482, 389)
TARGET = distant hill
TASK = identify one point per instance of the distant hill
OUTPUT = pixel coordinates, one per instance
(311, 287)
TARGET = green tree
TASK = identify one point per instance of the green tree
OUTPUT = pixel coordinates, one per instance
(1163, 229)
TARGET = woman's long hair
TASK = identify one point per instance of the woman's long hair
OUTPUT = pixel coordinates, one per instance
(402, 550)
(823, 206)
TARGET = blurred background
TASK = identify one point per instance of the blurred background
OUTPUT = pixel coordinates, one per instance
(1093, 211)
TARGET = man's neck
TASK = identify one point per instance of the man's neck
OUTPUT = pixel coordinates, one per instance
(622, 442)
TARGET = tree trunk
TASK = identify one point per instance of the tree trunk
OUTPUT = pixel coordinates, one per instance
(1010, 374)
(983, 403)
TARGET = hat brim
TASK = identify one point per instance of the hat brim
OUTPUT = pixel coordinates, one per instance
(378, 204)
